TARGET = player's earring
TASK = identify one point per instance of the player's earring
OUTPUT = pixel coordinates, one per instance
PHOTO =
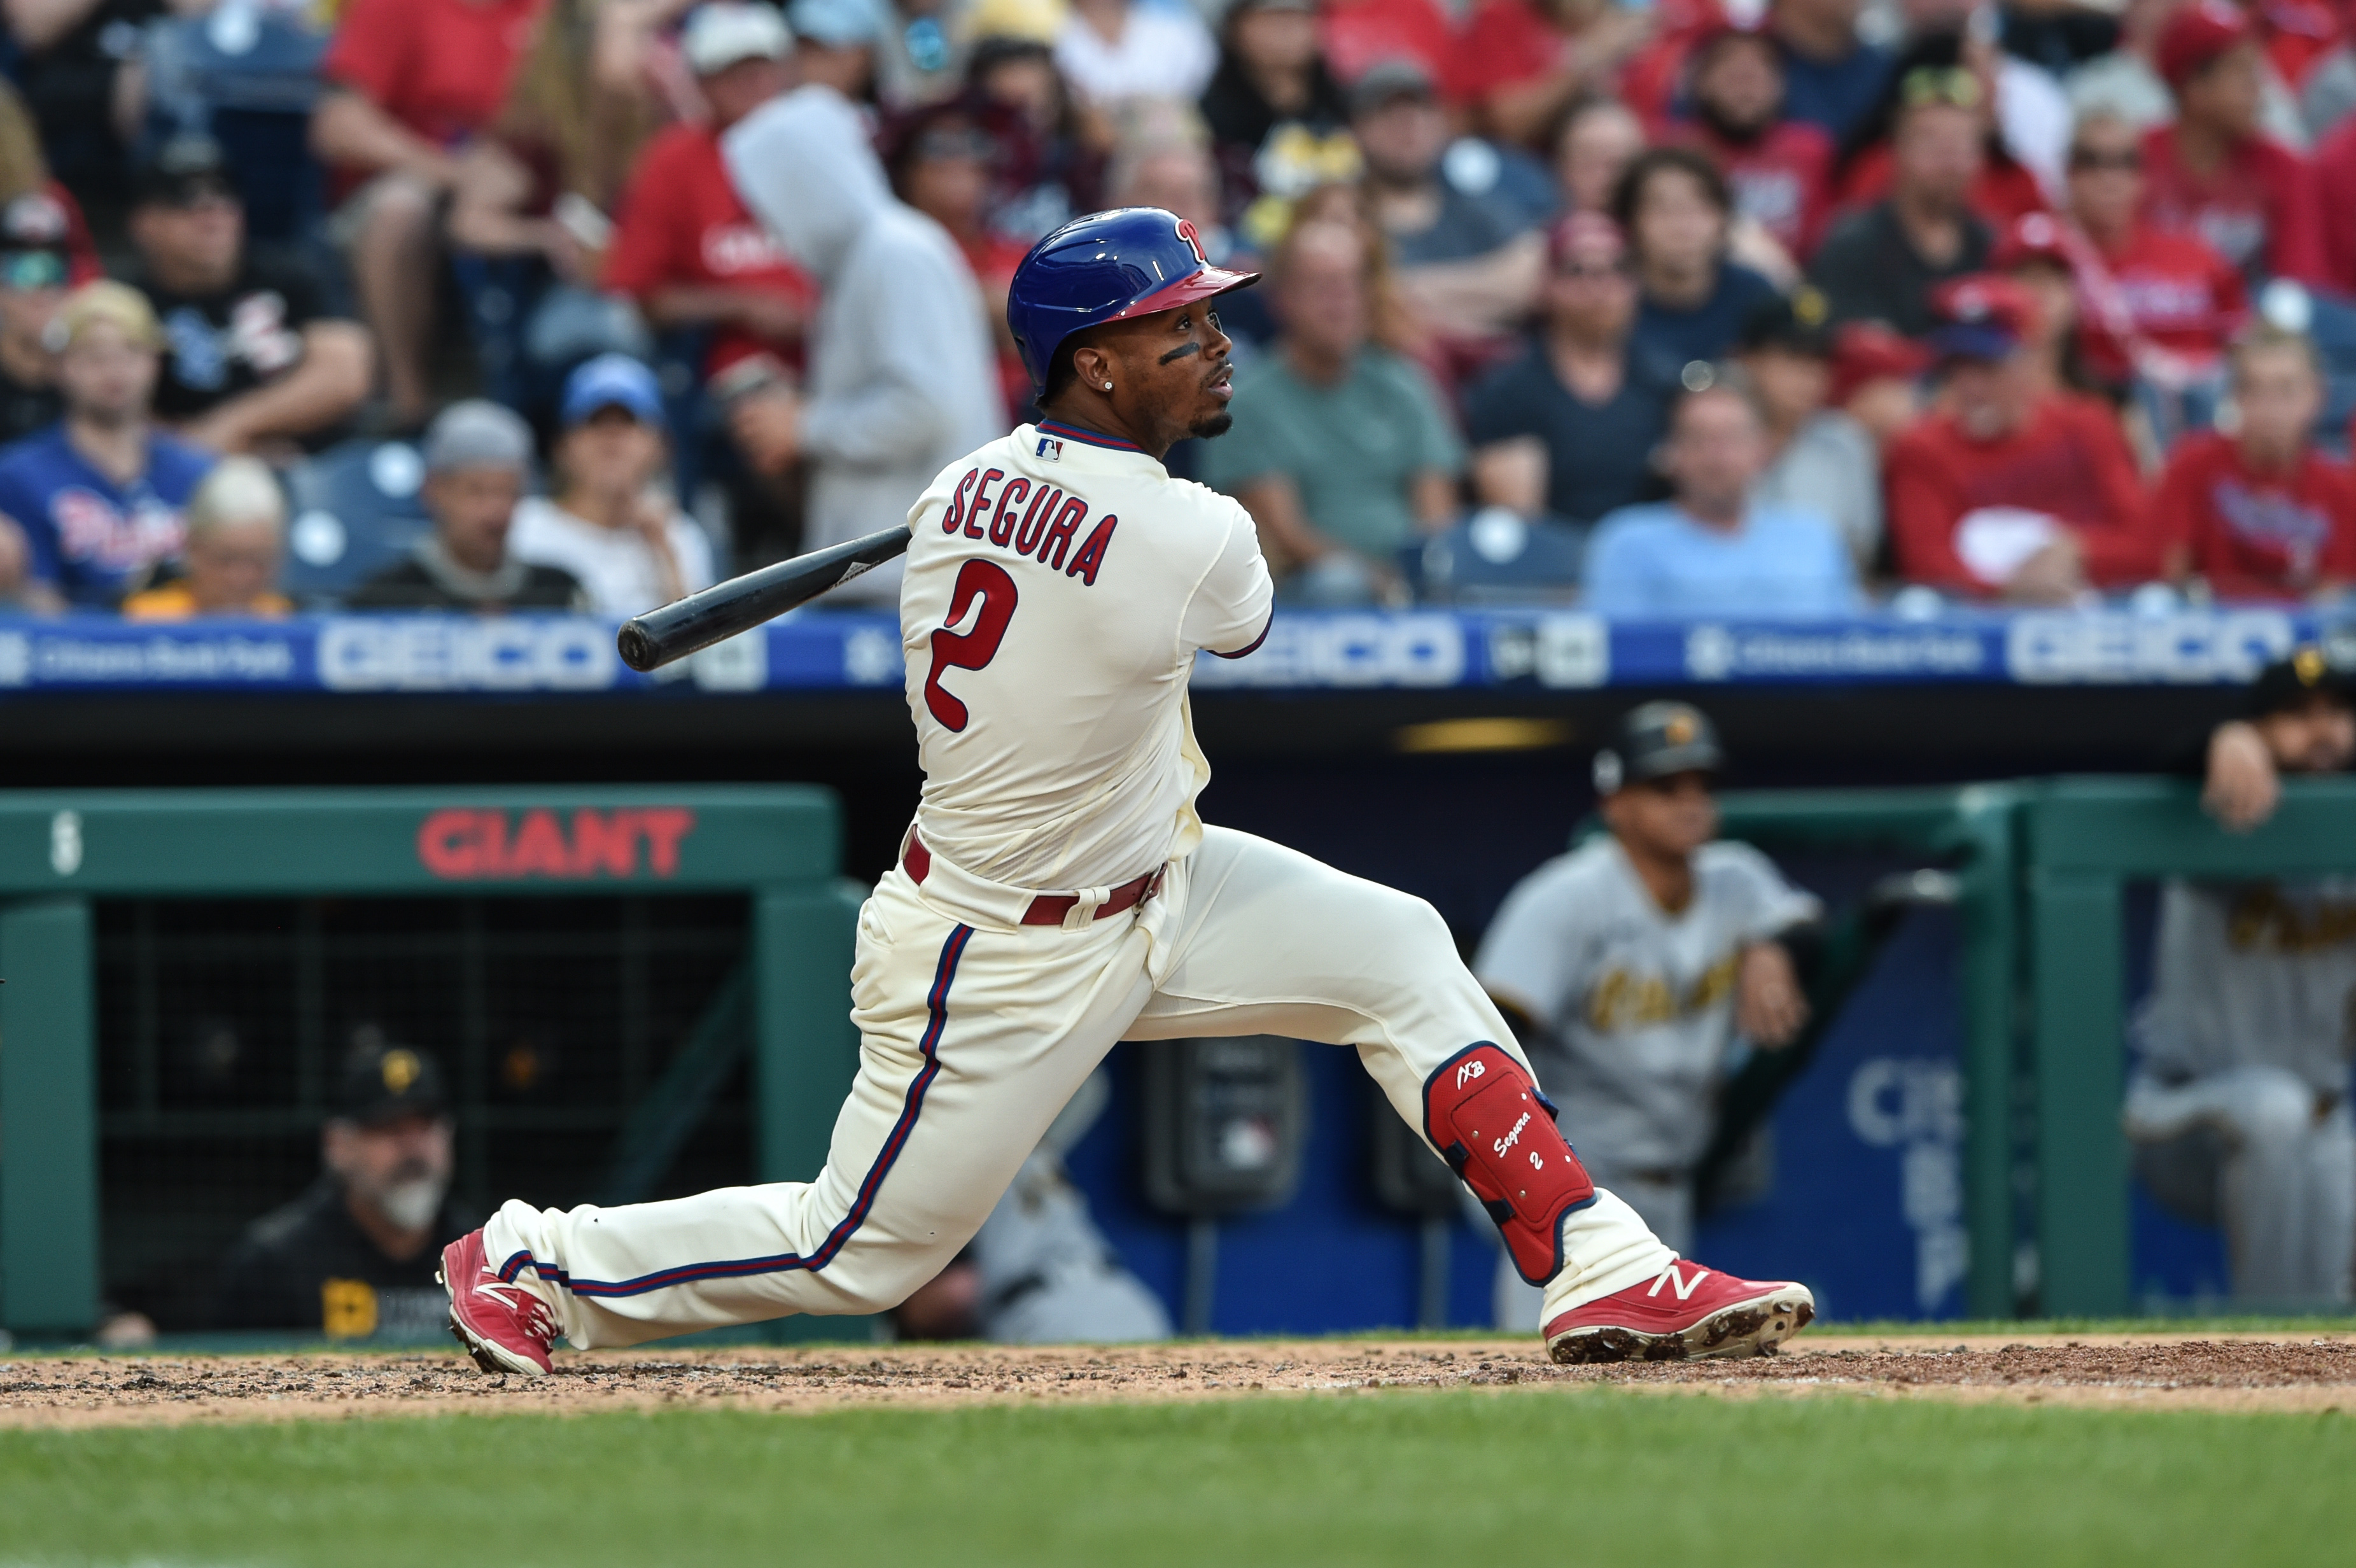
(1108, 386)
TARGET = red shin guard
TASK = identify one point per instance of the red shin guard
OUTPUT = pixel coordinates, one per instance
(1484, 1115)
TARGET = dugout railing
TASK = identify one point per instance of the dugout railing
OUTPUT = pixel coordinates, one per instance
(1970, 830)
(2043, 866)
(2082, 841)
(735, 887)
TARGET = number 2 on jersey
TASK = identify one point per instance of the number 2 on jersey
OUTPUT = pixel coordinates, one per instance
(989, 583)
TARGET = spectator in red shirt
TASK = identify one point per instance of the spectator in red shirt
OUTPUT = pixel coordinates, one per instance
(2213, 172)
(1519, 63)
(2155, 308)
(2335, 182)
(2032, 253)
(684, 246)
(2149, 287)
(1779, 169)
(689, 254)
(2006, 490)
(408, 83)
(2261, 513)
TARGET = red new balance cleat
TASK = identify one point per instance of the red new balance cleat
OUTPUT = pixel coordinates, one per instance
(504, 1327)
(1687, 1311)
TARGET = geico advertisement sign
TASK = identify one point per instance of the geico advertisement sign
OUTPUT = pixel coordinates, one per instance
(1346, 650)
(2193, 646)
(466, 653)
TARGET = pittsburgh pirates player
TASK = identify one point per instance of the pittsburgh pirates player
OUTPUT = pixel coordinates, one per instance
(1631, 965)
(1057, 893)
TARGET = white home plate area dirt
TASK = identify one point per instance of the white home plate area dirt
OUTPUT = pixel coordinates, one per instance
(2243, 1372)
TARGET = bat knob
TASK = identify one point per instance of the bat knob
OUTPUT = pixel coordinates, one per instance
(637, 647)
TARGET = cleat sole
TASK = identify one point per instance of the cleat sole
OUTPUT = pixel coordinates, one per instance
(1757, 1327)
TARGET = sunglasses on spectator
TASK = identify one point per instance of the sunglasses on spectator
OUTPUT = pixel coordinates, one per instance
(1951, 85)
(2084, 160)
(967, 143)
(1582, 270)
(21, 270)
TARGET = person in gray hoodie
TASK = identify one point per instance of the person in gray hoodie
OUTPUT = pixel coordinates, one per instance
(902, 381)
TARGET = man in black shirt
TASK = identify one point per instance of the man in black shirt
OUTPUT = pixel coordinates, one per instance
(1881, 264)
(477, 457)
(1568, 429)
(354, 1257)
(255, 361)
(34, 270)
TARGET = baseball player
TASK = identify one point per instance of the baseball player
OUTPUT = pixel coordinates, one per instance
(2238, 1105)
(1057, 893)
(1633, 964)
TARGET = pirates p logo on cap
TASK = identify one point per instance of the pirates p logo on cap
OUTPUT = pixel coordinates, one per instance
(401, 1069)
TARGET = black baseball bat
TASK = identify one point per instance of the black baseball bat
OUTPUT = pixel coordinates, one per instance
(656, 638)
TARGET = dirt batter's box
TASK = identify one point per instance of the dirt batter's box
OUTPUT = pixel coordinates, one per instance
(181, 967)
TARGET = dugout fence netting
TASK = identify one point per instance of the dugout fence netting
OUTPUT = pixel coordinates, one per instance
(223, 1026)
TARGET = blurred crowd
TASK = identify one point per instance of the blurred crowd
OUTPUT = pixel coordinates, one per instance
(1664, 307)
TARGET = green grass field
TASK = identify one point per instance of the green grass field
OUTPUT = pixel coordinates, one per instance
(1583, 1477)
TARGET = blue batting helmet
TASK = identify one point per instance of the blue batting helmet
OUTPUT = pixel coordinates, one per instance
(1132, 260)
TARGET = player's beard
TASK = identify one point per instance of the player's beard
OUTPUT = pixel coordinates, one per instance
(410, 1198)
(1215, 425)
(411, 1205)
(1741, 133)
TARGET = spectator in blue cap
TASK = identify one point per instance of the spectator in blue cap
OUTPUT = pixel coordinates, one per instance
(613, 521)
(835, 43)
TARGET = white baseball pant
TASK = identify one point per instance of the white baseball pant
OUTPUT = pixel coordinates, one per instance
(977, 1029)
(2246, 1147)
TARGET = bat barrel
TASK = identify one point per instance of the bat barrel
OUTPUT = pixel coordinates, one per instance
(662, 636)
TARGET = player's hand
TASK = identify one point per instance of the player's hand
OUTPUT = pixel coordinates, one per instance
(767, 427)
(2242, 786)
(1769, 1007)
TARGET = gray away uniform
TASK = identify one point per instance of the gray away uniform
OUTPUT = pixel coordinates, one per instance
(1638, 1007)
(2238, 1107)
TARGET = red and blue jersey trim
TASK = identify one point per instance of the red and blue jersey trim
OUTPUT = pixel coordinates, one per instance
(912, 1106)
(1252, 647)
(1058, 429)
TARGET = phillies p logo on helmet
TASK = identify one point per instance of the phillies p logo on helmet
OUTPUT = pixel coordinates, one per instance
(1193, 241)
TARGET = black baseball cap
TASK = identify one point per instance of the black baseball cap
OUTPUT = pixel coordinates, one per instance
(2327, 666)
(385, 1083)
(182, 171)
(1390, 80)
(1800, 323)
(1655, 741)
(34, 235)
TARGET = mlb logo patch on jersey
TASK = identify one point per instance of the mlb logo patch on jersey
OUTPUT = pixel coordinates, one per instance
(1051, 449)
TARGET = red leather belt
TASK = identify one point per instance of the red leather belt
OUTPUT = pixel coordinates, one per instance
(1048, 909)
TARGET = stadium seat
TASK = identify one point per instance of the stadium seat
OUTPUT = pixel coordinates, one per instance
(353, 510)
(249, 80)
(1494, 556)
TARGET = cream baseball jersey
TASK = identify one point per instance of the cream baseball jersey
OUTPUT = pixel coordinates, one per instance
(1059, 583)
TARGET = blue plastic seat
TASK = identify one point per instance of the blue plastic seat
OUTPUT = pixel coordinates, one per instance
(353, 510)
